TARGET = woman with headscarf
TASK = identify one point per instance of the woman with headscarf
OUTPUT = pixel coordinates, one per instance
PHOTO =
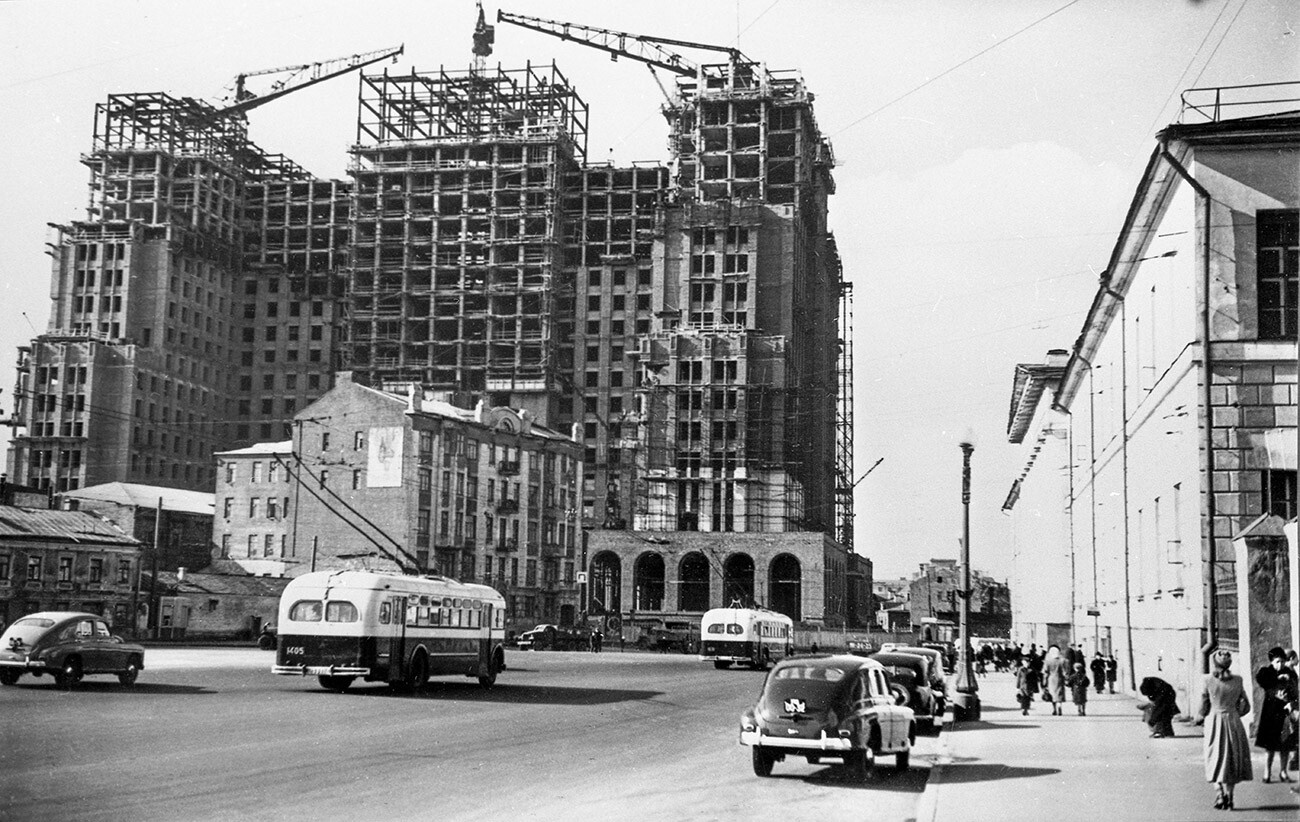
(1279, 685)
(1161, 706)
(1227, 747)
(1055, 672)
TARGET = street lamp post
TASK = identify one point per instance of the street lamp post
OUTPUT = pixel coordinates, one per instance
(966, 701)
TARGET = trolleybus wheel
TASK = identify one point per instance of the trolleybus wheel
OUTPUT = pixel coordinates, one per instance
(721, 663)
(419, 671)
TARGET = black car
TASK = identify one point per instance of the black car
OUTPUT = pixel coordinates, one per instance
(911, 674)
(68, 645)
(836, 707)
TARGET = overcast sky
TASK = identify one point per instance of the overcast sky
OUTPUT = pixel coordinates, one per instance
(986, 152)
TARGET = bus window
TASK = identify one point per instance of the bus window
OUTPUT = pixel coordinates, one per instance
(716, 629)
(733, 628)
(456, 615)
(385, 612)
(340, 611)
(305, 610)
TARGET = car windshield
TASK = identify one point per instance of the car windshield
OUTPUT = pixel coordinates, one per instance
(814, 684)
(25, 631)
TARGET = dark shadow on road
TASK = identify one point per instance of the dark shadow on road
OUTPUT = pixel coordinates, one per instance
(990, 772)
(108, 686)
(521, 694)
(884, 777)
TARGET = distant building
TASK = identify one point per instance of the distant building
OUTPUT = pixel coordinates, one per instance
(935, 594)
(185, 535)
(65, 561)
(255, 504)
(387, 481)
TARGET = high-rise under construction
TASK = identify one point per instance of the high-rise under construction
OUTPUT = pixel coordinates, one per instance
(687, 315)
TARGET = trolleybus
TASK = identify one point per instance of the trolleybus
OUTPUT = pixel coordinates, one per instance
(342, 625)
(755, 636)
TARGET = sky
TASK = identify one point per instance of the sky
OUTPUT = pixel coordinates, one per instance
(986, 154)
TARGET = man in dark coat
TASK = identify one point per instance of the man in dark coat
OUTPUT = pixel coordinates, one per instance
(1161, 706)
(1112, 671)
(1098, 668)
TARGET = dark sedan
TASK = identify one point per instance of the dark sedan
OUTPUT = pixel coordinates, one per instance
(912, 672)
(67, 645)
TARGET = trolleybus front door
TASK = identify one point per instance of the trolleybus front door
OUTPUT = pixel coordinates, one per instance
(485, 641)
(397, 641)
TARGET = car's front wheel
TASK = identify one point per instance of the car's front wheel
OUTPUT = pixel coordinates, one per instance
(762, 761)
(9, 676)
(131, 674)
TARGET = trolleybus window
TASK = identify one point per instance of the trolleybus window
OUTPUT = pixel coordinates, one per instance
(385, 612)
(340, 611)
(733, 628)
(306, 610)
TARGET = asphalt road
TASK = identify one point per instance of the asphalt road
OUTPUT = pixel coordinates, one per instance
(211, 734)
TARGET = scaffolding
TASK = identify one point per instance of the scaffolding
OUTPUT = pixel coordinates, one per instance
(455, 230)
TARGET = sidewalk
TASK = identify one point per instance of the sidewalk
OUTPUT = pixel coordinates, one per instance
(1102, 766)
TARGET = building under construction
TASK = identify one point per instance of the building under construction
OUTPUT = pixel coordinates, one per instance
(688, 316)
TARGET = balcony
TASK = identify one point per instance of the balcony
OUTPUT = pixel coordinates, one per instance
(507, 506)
(507, 545)
(507, 468)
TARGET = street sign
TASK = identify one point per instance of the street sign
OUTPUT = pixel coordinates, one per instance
(1092, 612)
(582, 577)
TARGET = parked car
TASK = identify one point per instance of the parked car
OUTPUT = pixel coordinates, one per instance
(837, 707)
(911, 675)
(554, 638)
(68, 645)
(938, 677)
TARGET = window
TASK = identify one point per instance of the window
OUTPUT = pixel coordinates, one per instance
(340, 611)
(272, 508)
(226, 506)
(124, 571)
(4, 567)
(306, 610)
(254, 507)
(1277, 237)
(33, 567)
(230, 472)
(257, 472)
(225, 546)
(1280, 493)
(268, 545)
(358, 441)
(96, 569)
(252, 545)
(356, 478)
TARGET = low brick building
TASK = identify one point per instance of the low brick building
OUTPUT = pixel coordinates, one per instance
(216, 606)
(184, 535)
(65, 561)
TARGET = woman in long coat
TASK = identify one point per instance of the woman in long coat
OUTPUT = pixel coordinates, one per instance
(1055, 671)
(1227, 747)
(1279, 685)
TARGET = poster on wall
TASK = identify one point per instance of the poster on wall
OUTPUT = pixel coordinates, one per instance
(384, 466)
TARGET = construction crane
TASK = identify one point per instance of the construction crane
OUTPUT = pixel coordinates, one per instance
(246, 100)
(643, 47)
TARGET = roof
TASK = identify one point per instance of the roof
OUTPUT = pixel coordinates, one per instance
(285, 447)
(75, 526)
(146, 496)
(1031, 379)
(224, 584)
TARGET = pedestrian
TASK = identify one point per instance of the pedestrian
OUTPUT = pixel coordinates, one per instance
(1079, 682)
(1112, 671)
(1227, 747)
(1026, 685)
(1293, 747)
(1279, 685)
(1055, 671)
(1098, 668)
(1160, 708)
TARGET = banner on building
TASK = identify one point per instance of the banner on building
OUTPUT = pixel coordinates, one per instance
(384, 466)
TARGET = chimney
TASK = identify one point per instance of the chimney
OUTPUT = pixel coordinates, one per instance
(180, 574)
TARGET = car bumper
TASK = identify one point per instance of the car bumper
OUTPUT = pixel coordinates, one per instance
(28, 664)
(319, 670)
(829, 744)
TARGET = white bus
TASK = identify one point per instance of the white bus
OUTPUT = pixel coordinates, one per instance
(341, 625)
(754, 636)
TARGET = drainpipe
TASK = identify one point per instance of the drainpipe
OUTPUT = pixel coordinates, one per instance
(1123, 453)
(1212, 554)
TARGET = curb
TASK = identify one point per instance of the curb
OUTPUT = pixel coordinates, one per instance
(927, 807)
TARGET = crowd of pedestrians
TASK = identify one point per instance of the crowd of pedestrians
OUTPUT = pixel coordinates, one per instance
(1225, 699)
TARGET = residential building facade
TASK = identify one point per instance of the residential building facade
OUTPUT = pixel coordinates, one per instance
(1179, 399)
